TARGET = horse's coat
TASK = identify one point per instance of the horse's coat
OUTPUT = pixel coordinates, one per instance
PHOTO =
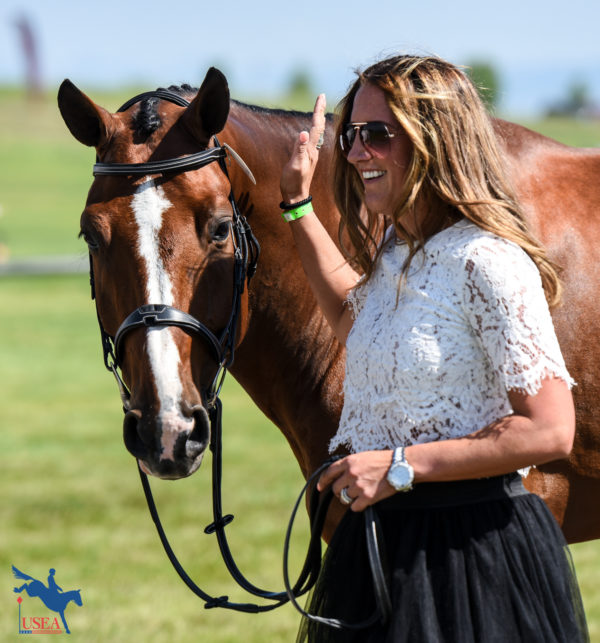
(287, 358)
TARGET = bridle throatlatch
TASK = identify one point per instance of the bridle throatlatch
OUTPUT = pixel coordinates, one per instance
(222, 348)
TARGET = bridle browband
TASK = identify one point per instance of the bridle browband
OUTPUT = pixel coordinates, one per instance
(222, 348)
(184, 163)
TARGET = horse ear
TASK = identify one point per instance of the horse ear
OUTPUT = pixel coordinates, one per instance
(207, 113)
(89, 123)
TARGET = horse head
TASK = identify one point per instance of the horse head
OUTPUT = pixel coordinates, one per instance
(161, 239)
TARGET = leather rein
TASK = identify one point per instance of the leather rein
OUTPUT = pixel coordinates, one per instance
(222, 346)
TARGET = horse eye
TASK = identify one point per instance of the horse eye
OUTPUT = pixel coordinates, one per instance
(221, 232)
(91, 242)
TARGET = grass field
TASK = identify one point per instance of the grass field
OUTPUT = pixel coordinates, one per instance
(71, 497)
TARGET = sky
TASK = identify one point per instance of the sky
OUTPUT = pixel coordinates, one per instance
(540, 48)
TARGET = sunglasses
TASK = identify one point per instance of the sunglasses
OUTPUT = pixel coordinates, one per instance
(375, 136)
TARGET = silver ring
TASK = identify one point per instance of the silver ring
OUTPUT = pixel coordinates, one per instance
(345, 498)
(321, 140)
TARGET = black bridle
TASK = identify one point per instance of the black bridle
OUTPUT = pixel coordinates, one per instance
(246, 253)
(222, 348)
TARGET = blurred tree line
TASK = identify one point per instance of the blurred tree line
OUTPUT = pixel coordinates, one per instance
(300, 92)
(577, 102)
(486, 79)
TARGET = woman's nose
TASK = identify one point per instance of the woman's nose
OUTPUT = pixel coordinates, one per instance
(358, 151)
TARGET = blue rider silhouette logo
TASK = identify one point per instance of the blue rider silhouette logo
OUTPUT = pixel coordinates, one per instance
(53, 598)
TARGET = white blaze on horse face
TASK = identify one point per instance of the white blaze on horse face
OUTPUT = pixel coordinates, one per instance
(148, 204)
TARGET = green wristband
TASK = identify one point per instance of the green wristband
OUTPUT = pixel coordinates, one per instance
(297, 213)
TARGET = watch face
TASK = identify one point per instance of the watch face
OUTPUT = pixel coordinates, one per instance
(400, 477)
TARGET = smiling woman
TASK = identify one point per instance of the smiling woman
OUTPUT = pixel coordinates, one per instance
(455, 384)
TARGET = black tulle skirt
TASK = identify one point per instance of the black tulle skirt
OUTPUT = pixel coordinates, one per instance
(467, 562)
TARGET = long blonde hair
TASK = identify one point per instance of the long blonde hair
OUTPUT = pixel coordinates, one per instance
(457, 167)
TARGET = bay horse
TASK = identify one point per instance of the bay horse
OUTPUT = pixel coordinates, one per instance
(165, 238)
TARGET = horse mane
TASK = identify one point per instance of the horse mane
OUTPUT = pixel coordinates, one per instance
(147, 119)
(272, 111)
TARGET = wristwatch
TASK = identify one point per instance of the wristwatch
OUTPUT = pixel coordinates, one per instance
(400, 474)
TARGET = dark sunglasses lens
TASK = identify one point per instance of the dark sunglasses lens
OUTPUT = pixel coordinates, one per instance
(375, 135)
(347, 138)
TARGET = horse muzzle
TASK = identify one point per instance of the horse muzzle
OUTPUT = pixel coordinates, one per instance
(168, 446)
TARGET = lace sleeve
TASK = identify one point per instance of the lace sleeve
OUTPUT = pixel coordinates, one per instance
(506, 307)
(355, 299)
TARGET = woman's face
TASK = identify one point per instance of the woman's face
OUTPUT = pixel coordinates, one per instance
(383, 172)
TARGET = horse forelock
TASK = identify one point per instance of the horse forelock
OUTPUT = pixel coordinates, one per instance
(147, 119)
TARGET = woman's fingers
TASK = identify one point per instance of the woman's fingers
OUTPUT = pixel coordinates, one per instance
(339, 477)
(362, 475)
(317, 129)
(301, 147)
(298, 172)
(330, 474)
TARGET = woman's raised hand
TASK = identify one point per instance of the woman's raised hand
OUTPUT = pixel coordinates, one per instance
(297, 174)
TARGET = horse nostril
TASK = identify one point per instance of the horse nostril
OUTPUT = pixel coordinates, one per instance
(199, 438)
(131, 435)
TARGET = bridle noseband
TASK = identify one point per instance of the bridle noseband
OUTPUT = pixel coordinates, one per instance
(222, 348)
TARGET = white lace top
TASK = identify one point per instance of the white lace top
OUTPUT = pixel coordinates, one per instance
(436, 360)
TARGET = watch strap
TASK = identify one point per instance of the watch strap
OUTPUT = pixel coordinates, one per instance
(398, 456)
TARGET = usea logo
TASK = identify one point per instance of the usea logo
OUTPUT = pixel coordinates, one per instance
(52, 596)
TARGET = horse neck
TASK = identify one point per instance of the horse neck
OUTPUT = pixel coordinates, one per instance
(289, 361)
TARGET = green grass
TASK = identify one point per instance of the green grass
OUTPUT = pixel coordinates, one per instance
(577, 132)
(71, 497)
(43, 169)
(45, 175)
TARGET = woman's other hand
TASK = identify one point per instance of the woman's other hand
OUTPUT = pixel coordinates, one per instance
(363, 476)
